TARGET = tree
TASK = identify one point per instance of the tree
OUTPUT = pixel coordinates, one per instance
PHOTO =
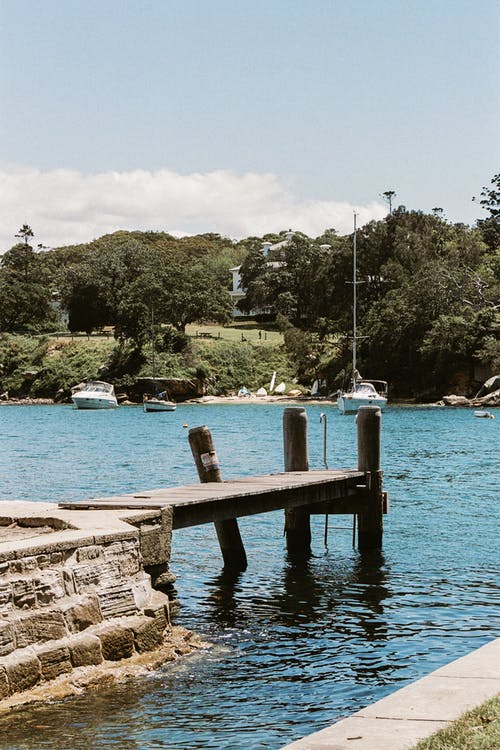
(490, 197)
(490, 201)
(25, 289)
(388, 196)
(438, 307)
(25, 233)
(296, 280)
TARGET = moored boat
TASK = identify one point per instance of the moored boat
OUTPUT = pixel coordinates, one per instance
(483, 414)
(160, 402)
(95, 395)
(363, 392)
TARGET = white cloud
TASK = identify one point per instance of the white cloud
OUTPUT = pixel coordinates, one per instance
(65, 207)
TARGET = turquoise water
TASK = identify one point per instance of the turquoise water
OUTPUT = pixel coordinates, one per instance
(295, 648)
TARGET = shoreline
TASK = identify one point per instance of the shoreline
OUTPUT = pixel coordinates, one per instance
(237, 400)
(179, 643)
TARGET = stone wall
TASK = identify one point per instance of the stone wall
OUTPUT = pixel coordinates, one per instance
(76, 590)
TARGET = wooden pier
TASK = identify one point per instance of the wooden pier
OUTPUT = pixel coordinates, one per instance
(297, 491)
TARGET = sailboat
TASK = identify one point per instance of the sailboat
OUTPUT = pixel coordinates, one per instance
(362, 392)
(160, 400)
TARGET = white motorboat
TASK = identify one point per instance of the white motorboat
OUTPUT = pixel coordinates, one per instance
(363, 392)
(95, 395)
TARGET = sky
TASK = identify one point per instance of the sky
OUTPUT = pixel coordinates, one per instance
(242, 117)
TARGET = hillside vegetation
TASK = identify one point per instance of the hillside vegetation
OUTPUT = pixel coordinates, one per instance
(48, 367)
(428, 306)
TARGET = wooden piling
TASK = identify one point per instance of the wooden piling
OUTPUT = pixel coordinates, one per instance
(370, 523)
(297, 520)
(228, 532)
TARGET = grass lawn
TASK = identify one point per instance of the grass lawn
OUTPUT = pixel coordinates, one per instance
(478, 729)
(244, 331)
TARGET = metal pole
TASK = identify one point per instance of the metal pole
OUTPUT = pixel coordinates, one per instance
(322, 418)
(354, 304)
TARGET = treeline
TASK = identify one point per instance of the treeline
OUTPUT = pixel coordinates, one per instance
(116, 281)
(428, 304)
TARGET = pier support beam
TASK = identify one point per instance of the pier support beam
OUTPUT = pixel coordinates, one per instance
(228, 532)
(370, 523)
(297, 520)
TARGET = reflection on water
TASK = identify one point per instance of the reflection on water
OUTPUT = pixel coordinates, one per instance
(295, 646)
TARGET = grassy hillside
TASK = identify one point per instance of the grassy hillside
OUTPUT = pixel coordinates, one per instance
(225, 358)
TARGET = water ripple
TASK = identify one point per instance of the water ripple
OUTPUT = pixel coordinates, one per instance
(295, 648)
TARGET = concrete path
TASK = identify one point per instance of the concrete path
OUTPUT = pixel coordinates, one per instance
(400, 720)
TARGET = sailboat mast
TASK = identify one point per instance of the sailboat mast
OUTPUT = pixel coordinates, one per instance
(153, 345)
(354, 302)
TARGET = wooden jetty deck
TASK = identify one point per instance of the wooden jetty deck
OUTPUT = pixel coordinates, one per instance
(325, 491)
(298, 491)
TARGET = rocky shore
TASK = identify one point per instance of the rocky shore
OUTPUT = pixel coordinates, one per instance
(491, 400)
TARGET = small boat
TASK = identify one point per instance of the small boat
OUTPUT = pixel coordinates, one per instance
(96, 395)
(483, 414)
(362, 392)
(159, 401)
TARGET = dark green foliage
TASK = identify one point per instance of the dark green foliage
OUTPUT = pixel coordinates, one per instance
(120, 279)
(25, 292)
(40, 367)
(172, 340)
(490, 201)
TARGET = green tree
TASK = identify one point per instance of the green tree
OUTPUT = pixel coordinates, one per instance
(25, 290)
(295, 280)
(25, 233)
(490, 201)
(439, 304)
(389, 196)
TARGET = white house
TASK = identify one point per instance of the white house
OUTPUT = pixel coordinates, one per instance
(238, 293)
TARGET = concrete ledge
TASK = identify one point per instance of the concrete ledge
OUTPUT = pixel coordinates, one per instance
(402, 719)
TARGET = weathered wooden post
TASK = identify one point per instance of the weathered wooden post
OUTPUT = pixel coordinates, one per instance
(228, 532)
(370, 524)
(297, 520)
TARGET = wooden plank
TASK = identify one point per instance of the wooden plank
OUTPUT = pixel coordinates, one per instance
(207, 503)
(236, 507)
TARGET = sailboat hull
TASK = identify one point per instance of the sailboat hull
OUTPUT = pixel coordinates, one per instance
(349, 403)
(157, 405)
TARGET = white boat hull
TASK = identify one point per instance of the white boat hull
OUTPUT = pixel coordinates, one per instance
(95, 395)
(349, 404)
(94, 403)
(155, 405)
